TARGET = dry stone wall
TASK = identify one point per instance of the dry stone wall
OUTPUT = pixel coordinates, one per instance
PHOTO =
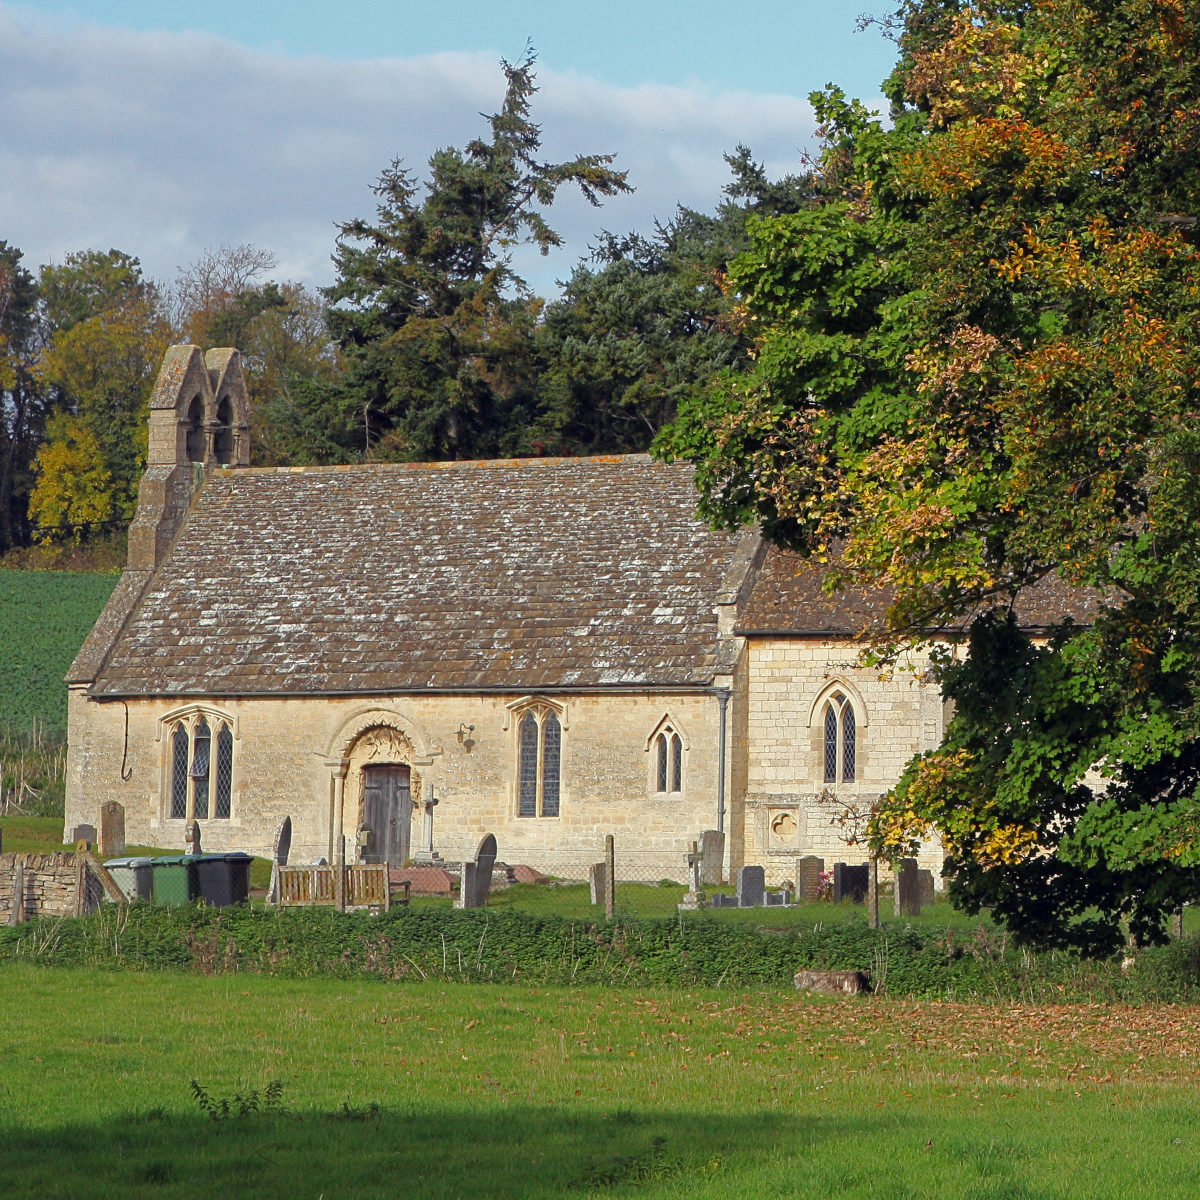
(50, 885)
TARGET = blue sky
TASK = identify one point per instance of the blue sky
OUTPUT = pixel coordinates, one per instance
(168, 128)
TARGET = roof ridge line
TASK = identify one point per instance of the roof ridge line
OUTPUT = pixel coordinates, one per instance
(476, 464)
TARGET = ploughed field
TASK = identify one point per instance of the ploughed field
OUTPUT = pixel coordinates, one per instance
(235, 1085)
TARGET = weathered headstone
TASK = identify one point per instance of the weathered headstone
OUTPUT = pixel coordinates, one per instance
(925, 893)
(610, 877)
(112, 829)
(850, 883)
(712, 857)
(466, 886)
(191, 838)
(279, 857)
(693, 898)
(751, 886)
(907, 903)
(596, 882)
(485, 860)
(476, 882)
(808, 878)
(83, 833)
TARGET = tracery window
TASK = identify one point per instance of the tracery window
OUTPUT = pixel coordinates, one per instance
(839, 745)
(668, 754)
(200, 785)
(539, 769)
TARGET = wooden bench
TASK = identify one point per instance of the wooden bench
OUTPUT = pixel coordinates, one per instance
(364, 885)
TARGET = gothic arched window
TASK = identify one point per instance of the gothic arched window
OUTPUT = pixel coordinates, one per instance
(199, 783)
(539, 768)
(839, 746)
(668, 753)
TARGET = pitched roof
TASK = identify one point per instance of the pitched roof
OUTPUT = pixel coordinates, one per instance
(515, 574)
(788, 598)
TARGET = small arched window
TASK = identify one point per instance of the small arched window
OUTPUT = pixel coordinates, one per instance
(195, 431)
(180, 752)
(201, 756)
(839, 746)
(223, 434)
(668, 752)
(539, 769)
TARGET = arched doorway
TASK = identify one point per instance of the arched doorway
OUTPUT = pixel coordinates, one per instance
(387, 812)
(382, 781)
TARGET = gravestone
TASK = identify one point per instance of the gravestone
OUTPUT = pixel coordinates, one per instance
(596, 882)
(279, 857)
(693, 898)
(427, 853)
(191, 838)
(712, 857)
(808, 878)
(83, 833)
(476, 882)
(850, 883)
(925, 888)
(466, 886)
(112, 829)
(907, 902)
(751, 886)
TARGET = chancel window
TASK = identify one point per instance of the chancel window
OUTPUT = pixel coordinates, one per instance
(839, 747)
(539, 741)
(668, 756)
(200, 783)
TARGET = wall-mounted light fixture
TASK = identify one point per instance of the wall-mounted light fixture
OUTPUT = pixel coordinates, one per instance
(464, 736)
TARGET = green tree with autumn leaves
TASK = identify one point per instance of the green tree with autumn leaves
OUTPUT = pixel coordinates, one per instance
(976, 370)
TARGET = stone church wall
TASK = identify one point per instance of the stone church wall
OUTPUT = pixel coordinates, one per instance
(789, 808)
(287, 756)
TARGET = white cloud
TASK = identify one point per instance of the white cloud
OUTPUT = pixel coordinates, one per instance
(164, 145)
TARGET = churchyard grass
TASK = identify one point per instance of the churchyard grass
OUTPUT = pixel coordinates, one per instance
(42, 835)
(441, 1090)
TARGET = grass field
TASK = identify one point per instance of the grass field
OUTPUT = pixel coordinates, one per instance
(477, 1091)
(44, 617)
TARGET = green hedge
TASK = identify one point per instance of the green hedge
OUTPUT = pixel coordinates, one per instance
(904, 961)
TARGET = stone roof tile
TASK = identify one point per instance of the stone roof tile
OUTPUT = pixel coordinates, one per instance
(788, 597)
(515, 574)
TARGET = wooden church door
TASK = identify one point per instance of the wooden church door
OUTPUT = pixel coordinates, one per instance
(387, 811)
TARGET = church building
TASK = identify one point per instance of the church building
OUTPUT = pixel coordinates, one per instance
(404, 657)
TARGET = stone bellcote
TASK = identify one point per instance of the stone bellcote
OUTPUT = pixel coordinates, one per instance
(199, 419)
(198, 410)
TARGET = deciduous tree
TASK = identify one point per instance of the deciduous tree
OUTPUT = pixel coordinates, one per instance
(977, 365)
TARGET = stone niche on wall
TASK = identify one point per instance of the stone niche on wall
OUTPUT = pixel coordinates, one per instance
(780, 822)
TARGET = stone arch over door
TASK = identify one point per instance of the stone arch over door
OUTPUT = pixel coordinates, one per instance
(380, 761)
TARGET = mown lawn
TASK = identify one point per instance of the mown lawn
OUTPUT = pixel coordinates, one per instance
(440, 1090)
